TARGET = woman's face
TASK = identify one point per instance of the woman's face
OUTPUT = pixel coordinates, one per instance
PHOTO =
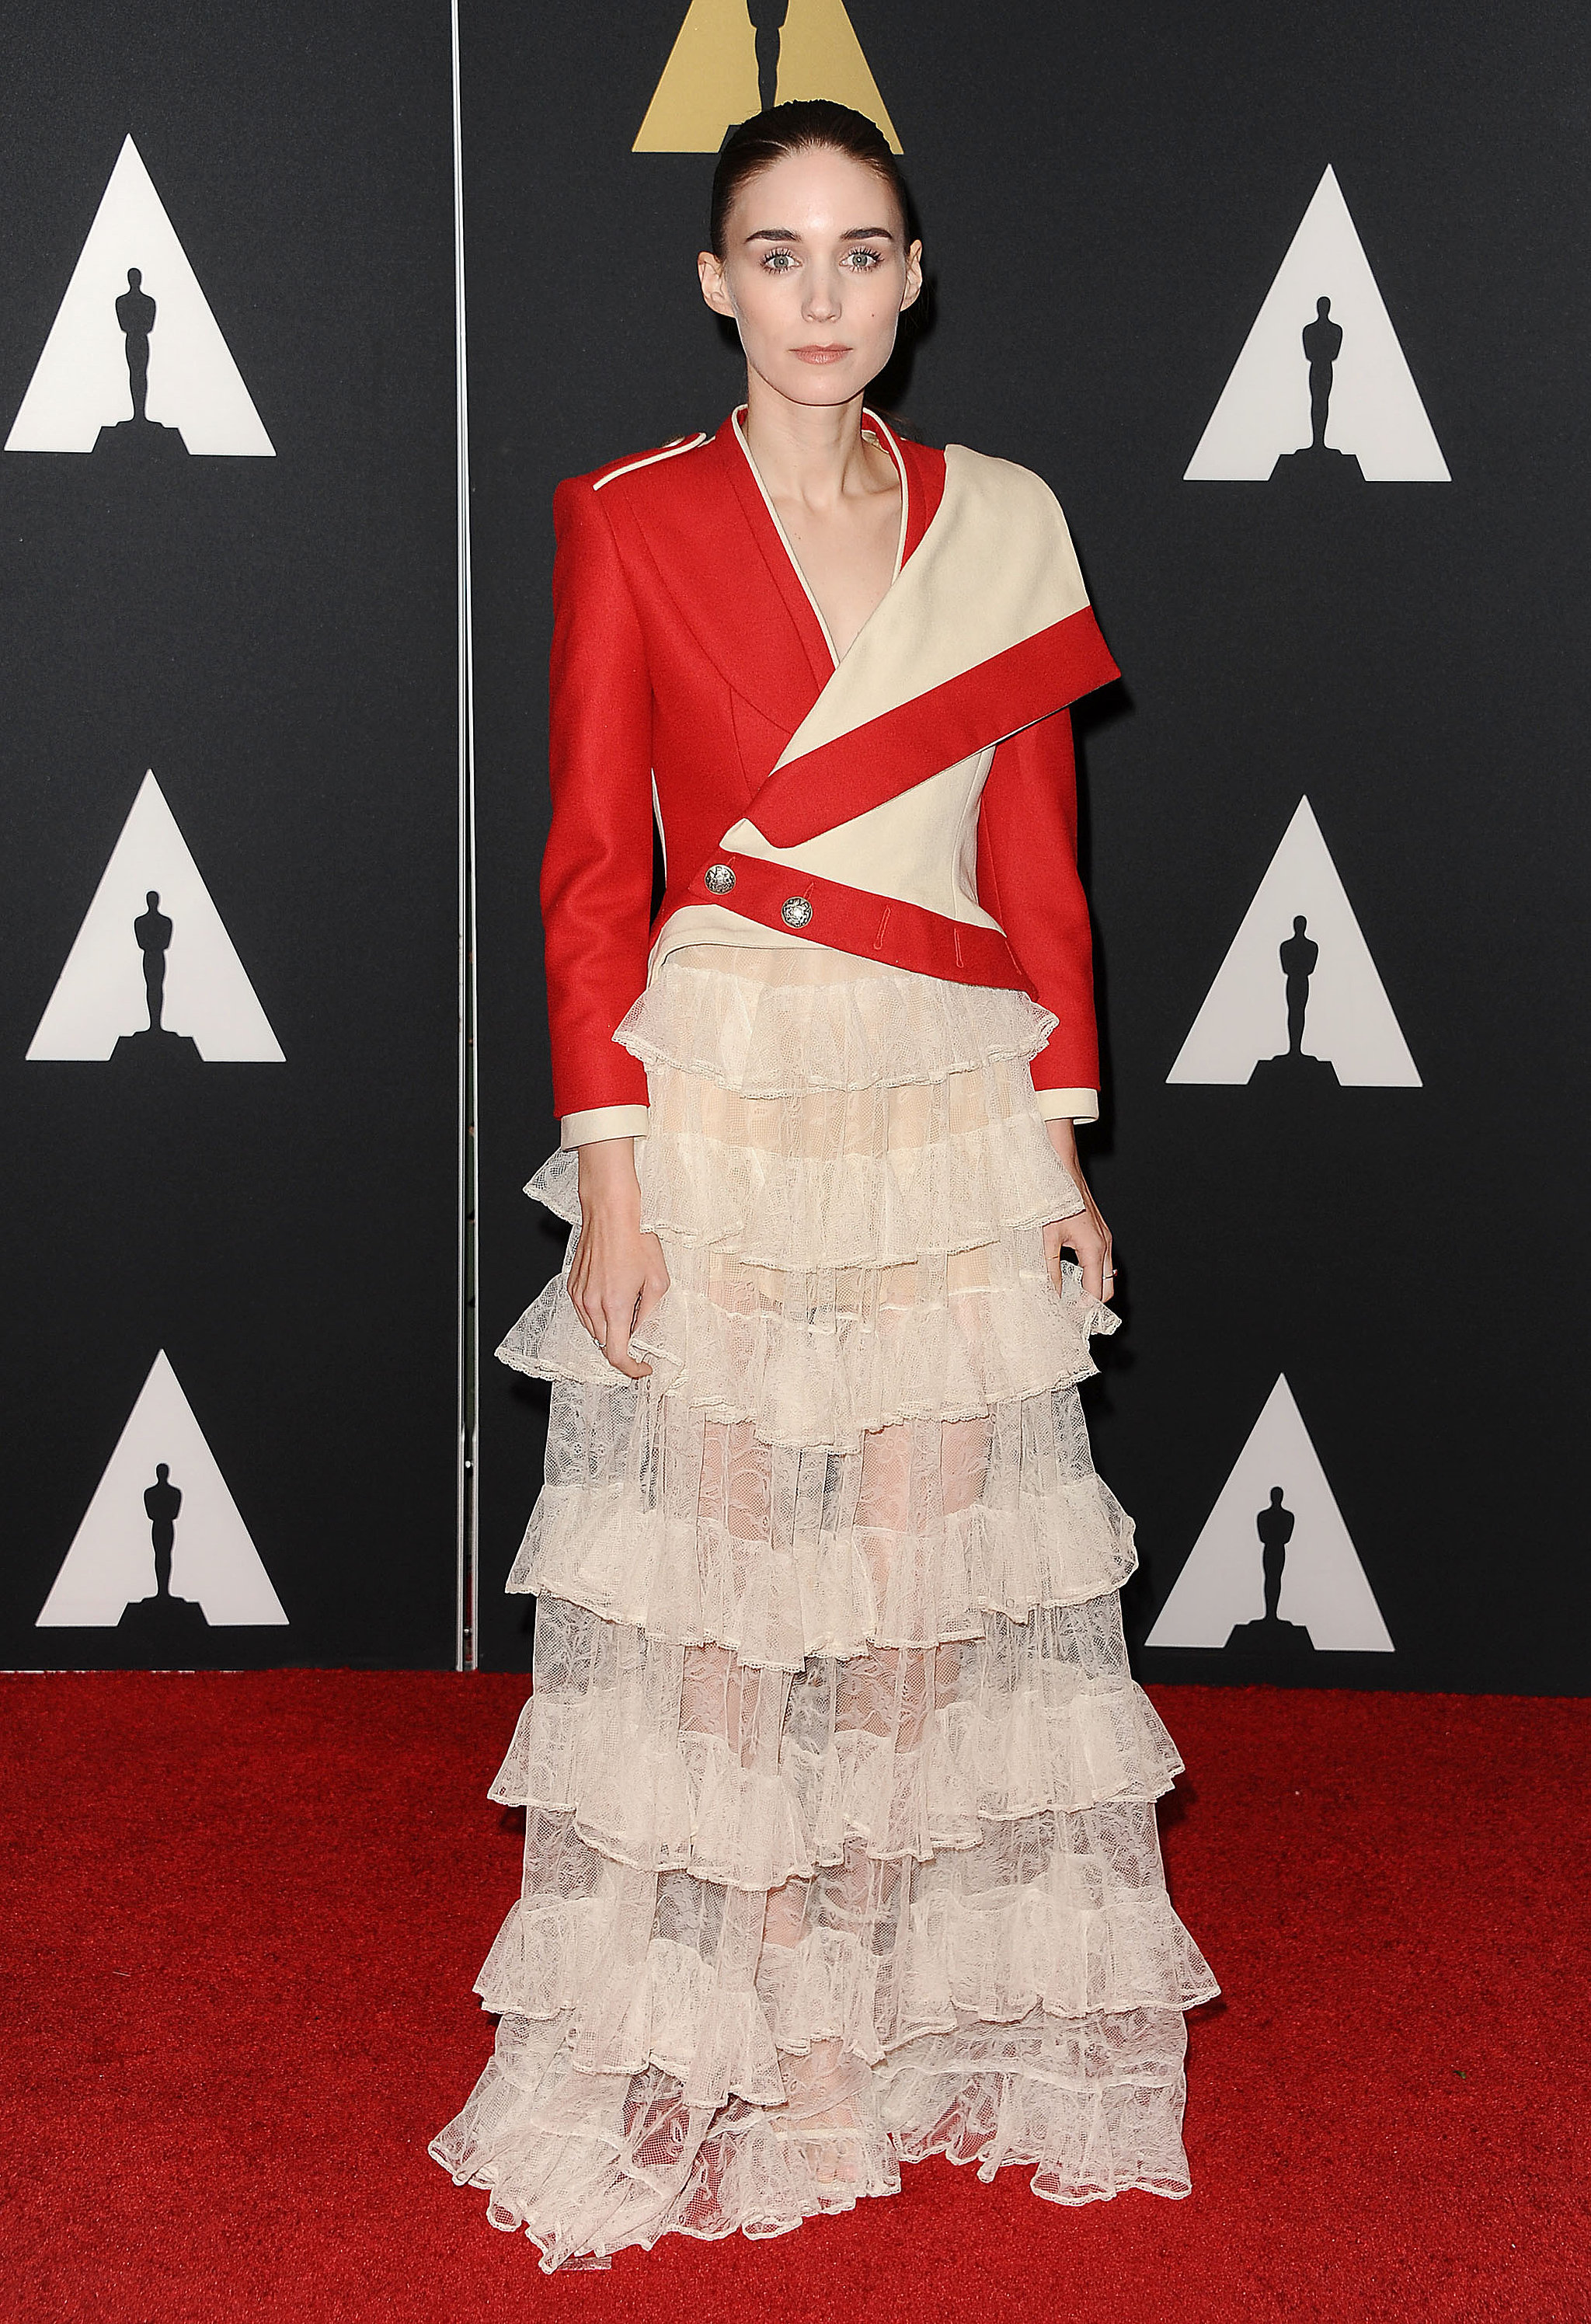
(815, 273)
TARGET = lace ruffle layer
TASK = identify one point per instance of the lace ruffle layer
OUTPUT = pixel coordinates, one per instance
(840, 1841)
(590, 2164)
(823, 1360)
(1094, 2104)
(666, 1970)
(657, 1516)
(671, 1757)
(856, 1178)
(801, 1024)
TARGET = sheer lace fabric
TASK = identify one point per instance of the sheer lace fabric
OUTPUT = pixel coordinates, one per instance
(840, 1843)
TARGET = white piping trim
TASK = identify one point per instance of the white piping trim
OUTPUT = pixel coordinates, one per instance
(785, 539)
(649, 460)
(898, 456)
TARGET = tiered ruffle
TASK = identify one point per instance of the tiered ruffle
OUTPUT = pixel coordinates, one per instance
(840, 1841)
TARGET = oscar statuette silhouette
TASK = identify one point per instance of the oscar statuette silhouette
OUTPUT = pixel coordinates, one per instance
(1320, 463)
(767, 21)
(153, 931)
(140, 439)
(1300, 956)
(1270, 1634)
(164, 1626)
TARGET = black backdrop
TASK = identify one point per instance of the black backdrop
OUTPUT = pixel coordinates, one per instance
(275, 639)
(1107, 197)
(1106, 201)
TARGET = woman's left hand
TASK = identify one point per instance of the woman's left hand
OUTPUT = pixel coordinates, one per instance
(1085, 1235)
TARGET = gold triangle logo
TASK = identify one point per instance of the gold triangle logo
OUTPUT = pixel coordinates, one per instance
(727, 53)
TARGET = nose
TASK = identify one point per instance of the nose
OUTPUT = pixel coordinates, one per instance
(822, 303)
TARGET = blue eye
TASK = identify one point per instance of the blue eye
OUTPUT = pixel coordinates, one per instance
(780, 262)
(864, 261)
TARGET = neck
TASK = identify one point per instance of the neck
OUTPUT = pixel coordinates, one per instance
(809, 452)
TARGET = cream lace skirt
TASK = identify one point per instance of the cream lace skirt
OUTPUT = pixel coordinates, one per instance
(840, 1843)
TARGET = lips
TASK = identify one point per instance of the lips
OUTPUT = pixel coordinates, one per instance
(821, 354)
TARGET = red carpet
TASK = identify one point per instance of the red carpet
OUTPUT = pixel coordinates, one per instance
(240, 1917)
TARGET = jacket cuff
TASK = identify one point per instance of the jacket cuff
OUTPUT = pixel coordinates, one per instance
(1068, 1104)
(601, 1122)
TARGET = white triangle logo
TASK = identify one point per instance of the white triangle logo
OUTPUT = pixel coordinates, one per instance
(127, 946)
(1277, 1492)
(1374, 414)
(112, 1564)
(84, 381)
(1296, 1003)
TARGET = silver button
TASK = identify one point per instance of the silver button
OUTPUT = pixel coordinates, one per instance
(718, 878)
(795, 911)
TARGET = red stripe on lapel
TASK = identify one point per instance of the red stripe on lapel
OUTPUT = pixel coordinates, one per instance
(876, 762)
(924, 491)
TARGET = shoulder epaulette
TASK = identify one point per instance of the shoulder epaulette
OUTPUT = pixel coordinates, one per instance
(669, 451)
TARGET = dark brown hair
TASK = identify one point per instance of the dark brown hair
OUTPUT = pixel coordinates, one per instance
(752, 146)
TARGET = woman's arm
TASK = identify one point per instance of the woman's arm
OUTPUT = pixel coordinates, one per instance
(596, 874)
(1027, 877)
(597, 902)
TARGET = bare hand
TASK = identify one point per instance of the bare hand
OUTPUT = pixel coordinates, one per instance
(1085, 1235)
(618, 1274)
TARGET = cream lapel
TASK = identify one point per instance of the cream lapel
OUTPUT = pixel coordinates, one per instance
(995, 567)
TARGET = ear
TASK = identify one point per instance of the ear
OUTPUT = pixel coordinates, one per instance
(913, 275)
(714, 289)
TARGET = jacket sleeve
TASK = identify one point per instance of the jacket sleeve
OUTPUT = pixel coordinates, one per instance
(1027, 877)
(596, 874)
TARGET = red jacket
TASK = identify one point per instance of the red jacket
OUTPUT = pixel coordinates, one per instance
(931, 770)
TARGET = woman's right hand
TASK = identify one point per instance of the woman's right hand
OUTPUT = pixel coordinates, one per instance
(618, 1274)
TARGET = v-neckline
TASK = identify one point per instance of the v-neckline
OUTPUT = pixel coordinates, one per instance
(881, 435)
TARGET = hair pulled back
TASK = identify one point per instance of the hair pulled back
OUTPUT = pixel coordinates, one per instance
(754, 145)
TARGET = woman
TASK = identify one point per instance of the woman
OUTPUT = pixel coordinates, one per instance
(840, 1843)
